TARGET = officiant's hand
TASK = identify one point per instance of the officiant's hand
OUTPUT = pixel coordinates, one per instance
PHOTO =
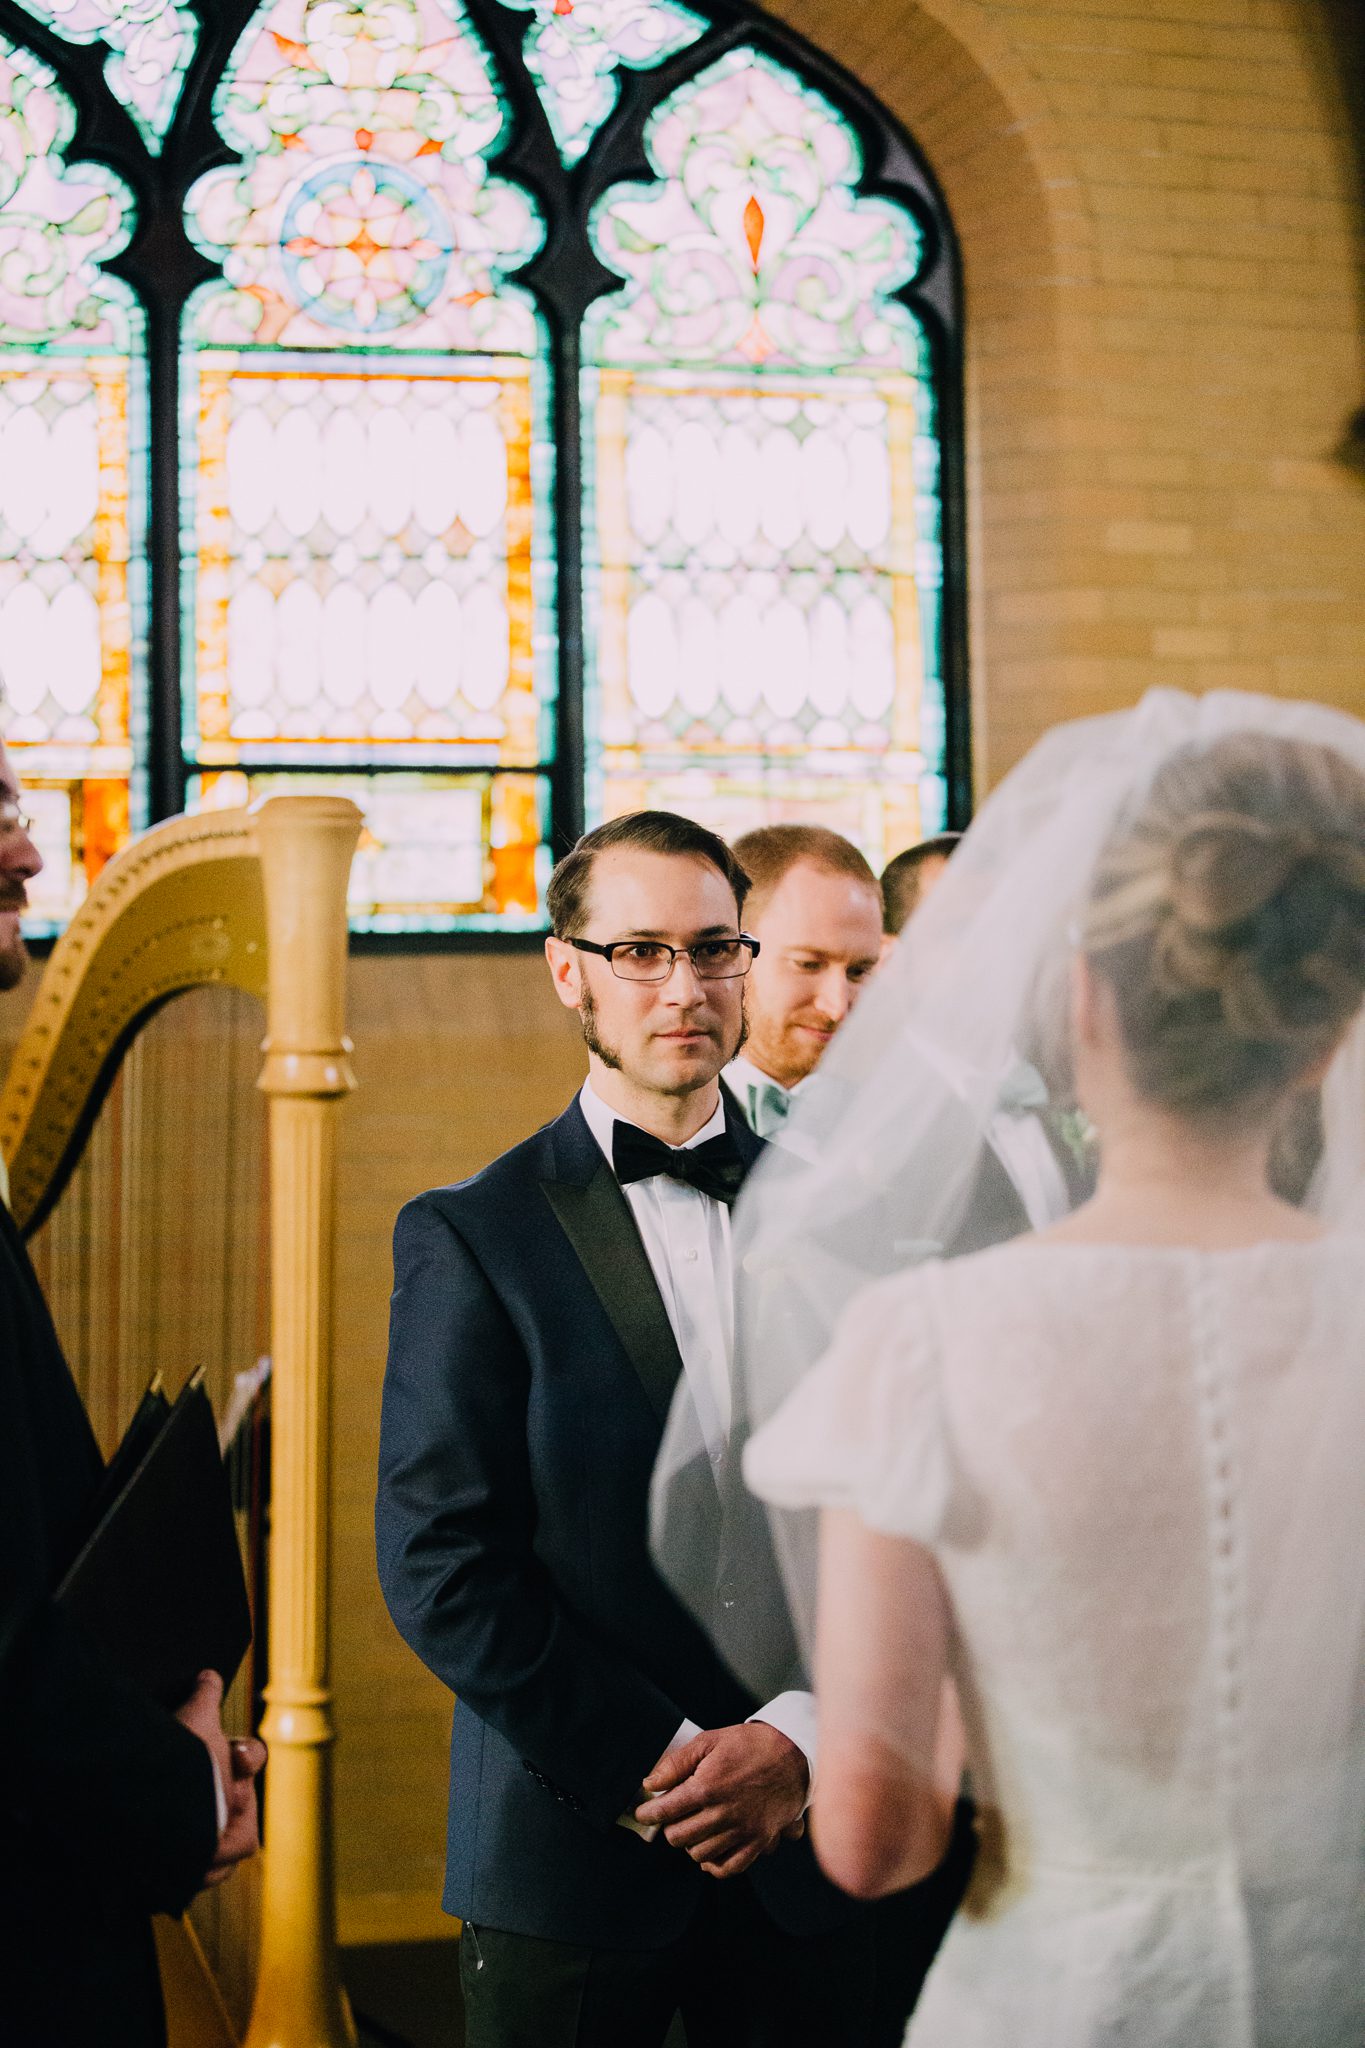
(238, 1765)
(728, 1796)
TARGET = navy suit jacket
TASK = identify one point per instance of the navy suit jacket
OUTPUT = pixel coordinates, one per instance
(531, 1366)
(107, 1810)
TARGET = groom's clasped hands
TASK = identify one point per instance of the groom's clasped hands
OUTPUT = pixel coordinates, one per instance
(728, 1796)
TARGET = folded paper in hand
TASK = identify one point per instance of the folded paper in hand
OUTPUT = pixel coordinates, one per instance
(159, 1581)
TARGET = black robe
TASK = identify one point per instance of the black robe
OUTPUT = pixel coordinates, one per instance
(107, 1806)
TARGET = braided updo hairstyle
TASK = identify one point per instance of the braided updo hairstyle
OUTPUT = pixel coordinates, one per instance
(1228, 917)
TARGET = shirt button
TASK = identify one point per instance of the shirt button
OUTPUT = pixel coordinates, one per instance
(690, 1257)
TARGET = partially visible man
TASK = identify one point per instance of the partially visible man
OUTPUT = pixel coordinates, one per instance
(816, 911)
(815, 907)
(111, 1809)
(1033, 1169)
(907, 879)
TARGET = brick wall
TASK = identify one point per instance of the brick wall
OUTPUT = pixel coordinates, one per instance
(1158, 208)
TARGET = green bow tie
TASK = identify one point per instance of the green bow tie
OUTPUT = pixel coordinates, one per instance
(769, 1107)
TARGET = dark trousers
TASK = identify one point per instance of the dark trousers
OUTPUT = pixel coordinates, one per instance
(908, 1931)
(737, 1980)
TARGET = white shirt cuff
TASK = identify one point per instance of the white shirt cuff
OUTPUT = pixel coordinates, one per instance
(793, 1715)
(219, 1796)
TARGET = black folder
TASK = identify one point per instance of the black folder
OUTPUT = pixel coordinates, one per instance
(159, 1582)
(153, 1410)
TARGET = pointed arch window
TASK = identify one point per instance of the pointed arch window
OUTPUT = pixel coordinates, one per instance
(509, 412)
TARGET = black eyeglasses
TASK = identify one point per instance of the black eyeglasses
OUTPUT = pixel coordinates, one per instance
(653, 959)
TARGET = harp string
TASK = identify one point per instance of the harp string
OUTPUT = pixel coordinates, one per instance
(154, 1258)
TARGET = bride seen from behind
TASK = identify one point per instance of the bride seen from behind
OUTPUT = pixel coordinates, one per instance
(1105, 1485)
(1219, 967)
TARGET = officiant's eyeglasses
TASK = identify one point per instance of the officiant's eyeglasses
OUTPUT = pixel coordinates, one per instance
(652, 959)
(12, 819)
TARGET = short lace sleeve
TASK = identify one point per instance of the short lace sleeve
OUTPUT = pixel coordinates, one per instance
(866, 1429)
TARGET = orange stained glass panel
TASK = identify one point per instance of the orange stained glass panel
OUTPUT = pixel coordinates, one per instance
(437, 852)
(364, 562)
(757, 632)
(65, 611)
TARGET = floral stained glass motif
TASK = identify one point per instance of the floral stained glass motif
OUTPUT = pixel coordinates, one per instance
(764, 539)
(71, 515)
(368, 574)
(436, 852)
(574, 48)
(753, 250)
(363, 209)
(150, 44)
(364, 548)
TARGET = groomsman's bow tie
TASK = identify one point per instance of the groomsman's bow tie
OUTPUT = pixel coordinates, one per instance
(769, 1107)
(714, 1168)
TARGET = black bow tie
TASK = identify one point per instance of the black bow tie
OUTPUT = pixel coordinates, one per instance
(714, 1168)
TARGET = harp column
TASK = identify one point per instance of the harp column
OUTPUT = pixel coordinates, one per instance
(306, 844)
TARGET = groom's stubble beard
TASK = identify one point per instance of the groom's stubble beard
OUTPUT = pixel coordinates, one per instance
(610, 1055)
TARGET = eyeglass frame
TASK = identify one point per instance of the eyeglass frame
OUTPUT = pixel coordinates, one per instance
(657, 981)
(12, 819)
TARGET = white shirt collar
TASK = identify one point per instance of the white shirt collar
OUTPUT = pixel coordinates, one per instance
(742, 1074)
(601, 1119)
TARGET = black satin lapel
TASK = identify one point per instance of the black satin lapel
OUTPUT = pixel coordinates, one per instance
(747, 1143)
(597, 1221)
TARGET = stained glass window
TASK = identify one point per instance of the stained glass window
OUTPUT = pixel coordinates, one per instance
(150, 44)
(71, 513)
(573, 49)
(434, 847)
(364, 576)
(368, 576)
(764, 547)
(498, 492)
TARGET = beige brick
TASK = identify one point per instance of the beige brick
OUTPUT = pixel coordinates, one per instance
(1149, 537)
(1190, 643)
(1048, 607)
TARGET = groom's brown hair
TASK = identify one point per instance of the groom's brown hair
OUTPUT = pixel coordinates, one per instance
(566, 899)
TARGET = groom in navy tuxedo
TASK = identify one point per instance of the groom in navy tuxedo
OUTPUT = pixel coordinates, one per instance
(625, 1822)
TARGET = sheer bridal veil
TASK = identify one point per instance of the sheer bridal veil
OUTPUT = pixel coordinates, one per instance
(893, 1152)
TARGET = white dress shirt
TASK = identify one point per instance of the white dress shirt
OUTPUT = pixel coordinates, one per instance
(1021, 1146)
(686, 1236)
(1018, 1142)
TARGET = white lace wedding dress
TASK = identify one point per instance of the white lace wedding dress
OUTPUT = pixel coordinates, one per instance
(1142, 1474)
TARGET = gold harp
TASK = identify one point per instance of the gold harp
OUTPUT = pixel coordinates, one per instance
(249, 900)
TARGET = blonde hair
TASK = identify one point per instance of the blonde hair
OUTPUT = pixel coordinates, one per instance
(1228, 916)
